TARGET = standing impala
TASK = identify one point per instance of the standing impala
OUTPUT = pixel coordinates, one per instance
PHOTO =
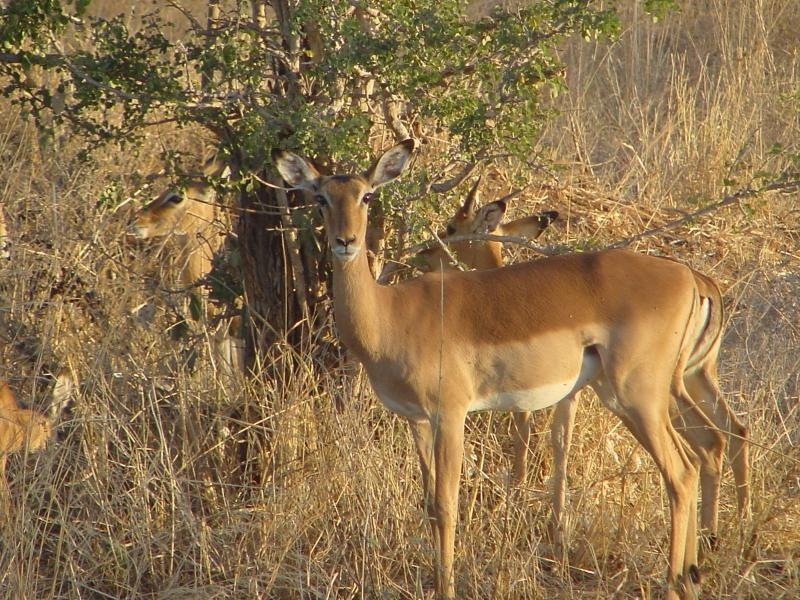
(700, 376)
(523, 338)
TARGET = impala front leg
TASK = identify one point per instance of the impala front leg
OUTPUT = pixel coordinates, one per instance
(522, 438)
(448, 456)
(561, 437)
(422, 432)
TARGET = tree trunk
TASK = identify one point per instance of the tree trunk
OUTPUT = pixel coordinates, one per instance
(281, 255)
(270, 299)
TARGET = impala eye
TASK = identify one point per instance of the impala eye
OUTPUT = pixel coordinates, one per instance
(366, 198)
(174, 198)
(451, 230)
(321, 200)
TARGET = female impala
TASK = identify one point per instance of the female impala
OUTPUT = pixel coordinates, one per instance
(26, 430)
(482, 254)
(192, 215)
(518, 338)
(700, 377)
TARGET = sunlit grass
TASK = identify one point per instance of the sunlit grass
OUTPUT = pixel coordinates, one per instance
(175, 485)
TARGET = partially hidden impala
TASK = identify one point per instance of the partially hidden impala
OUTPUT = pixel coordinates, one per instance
(469, 219)
(193, 216)
(26, 430)
(519, 338)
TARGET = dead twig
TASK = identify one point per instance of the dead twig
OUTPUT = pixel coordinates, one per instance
(785, 186)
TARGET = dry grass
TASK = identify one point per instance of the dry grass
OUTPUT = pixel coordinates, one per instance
(143, 495)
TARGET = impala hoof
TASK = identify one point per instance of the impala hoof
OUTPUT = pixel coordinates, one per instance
(687, 585)
(694, 574)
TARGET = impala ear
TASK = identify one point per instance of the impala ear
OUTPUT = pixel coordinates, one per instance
(488, 217)
(391, 163)
(531, 226)
(295, 170)
(547, 217)
(7, 400)
(215, 165)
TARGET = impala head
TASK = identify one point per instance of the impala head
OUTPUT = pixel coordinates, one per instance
(468, 220)
(344, 199)
(28, 430)
(187, 210)
(37, 431)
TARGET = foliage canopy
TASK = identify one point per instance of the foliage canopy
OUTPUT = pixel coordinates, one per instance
(313, 75)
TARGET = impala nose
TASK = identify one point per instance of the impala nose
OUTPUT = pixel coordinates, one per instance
(346, 241)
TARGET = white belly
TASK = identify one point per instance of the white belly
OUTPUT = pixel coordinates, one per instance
(539, 397)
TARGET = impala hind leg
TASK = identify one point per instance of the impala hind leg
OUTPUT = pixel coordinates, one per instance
(680, 475)
(644, 408)
(691, 555)
(709, 445)
(704, 389)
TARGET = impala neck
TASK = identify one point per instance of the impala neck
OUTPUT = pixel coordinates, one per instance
(356, 305)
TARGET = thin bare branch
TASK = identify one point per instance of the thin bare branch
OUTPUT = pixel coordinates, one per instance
(488, 237)
(446, 186)
(293, 250)
(438, 241)
(785, 186)
(16, 58)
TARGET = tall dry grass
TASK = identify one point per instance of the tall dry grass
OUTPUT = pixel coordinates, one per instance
(144, 495)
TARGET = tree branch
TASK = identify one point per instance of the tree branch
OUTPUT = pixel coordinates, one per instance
(391, 114)
(786, 186)
(446, 186)
(392, 266)
(18, 58)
